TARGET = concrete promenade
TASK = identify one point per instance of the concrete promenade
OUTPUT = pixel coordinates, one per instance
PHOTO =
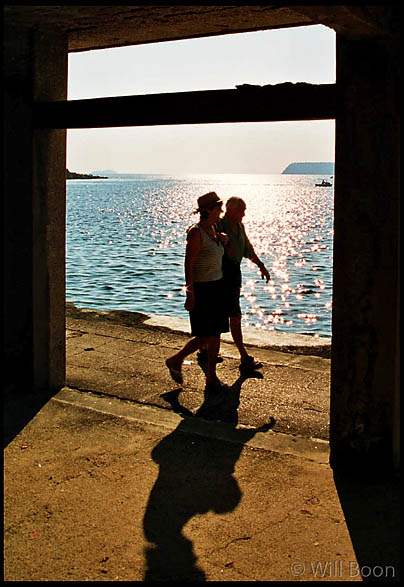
(124, 476)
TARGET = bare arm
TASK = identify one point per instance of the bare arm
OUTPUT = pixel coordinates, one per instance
(191, 252)
(264, 271)
(254, 258)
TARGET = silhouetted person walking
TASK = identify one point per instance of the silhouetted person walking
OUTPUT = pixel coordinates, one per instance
(205, 293)
(237, 247)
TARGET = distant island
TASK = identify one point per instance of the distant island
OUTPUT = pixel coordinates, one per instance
(308, 168)
(73, 175)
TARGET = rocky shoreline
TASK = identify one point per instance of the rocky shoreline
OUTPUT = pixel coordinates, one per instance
(74, 175)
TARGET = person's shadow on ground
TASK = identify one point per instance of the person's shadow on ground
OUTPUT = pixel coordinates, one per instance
(195, 477)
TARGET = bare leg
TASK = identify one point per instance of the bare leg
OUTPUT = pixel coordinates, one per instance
(174, 363)
(237, 334)
(189, 348)
(213, 344)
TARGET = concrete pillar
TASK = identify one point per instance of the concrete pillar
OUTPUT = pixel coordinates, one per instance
(35, 69)
(365, 364)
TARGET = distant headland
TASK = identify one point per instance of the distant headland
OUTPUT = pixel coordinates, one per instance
(308, 168)
(73, 175)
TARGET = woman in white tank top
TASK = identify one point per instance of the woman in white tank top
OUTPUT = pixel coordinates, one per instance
(205, 300)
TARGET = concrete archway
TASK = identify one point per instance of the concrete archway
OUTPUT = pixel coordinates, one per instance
(365, 361)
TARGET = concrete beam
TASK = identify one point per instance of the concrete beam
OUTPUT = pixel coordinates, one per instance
(365, 366)
(247, 103)
(34, 213)
(49, 218)
(98, 27)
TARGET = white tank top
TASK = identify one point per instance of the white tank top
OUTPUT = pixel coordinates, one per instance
(208, 264)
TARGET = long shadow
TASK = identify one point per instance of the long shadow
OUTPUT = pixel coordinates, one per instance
(19, 408)
(195, 477)
(371, 505)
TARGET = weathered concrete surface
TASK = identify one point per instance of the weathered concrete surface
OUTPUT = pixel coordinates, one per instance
(118, 354)
(119, 484)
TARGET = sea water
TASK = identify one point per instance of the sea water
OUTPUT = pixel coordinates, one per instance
(126, 236)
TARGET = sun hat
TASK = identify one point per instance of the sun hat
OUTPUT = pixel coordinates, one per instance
(208, 201)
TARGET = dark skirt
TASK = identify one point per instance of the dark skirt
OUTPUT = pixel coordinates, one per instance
(209, 316)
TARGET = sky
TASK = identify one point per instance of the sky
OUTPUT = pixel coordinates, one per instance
(302, 54)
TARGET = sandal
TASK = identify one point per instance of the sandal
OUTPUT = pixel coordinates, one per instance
(175, 373)
(250, 364)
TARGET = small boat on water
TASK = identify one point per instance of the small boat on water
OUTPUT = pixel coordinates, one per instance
(324, 184)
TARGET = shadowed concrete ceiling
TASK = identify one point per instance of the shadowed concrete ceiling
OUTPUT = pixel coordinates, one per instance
(97, 27)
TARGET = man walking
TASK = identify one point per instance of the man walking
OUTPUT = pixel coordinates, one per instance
(237, 247)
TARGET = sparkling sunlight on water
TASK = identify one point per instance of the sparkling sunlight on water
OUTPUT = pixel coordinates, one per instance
(126, 241)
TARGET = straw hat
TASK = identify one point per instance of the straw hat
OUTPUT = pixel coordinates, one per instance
(208, 201)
